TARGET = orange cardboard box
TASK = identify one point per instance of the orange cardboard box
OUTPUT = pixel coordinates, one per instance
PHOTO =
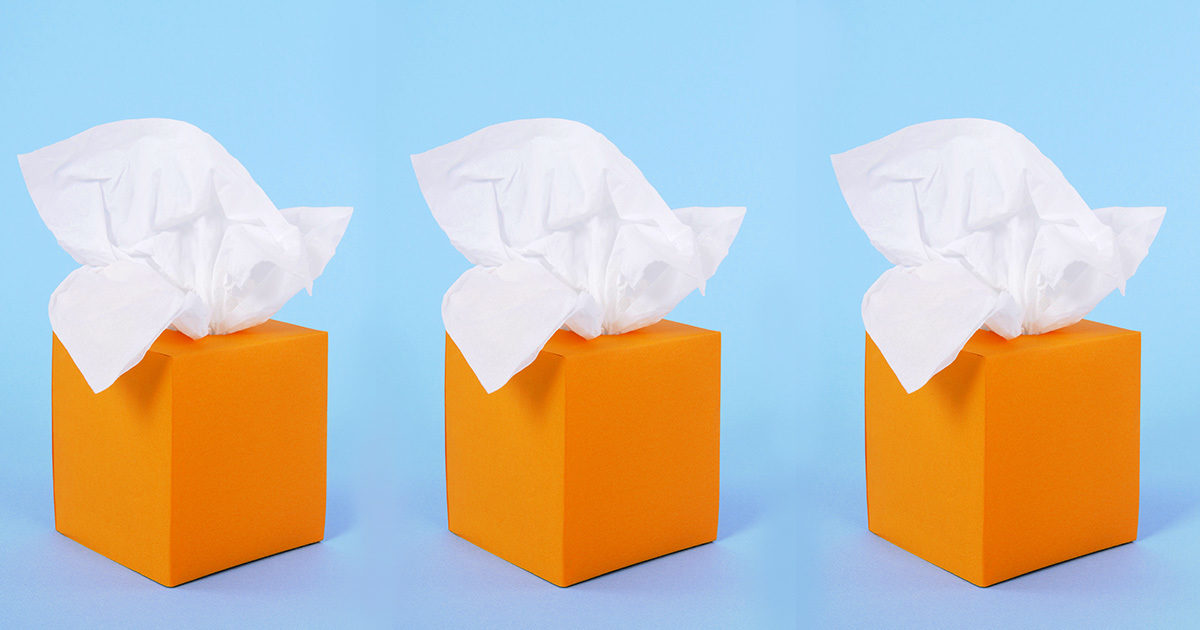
(207, 454)
(599, 455)
(1019, 455)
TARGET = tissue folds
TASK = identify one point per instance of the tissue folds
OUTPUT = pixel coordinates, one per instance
(207, 454)
(1019, 455)
(599, 455)
(564, 231)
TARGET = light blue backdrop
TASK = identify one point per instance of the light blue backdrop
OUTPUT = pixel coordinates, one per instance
(719, 105)
(323, 103)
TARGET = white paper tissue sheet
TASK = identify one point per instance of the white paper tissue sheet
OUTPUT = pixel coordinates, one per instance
(172, 232)
(984, 231)
(564, 231)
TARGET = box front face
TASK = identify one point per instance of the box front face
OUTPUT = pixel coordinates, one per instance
(643, 449)
(1021, 454)
(249, 451)
(504, 462)
(925, 462)
(112, 462)
(1062, 452)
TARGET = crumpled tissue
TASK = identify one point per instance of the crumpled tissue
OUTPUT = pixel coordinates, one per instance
(985, 231)
(172, 232)
(564, 232)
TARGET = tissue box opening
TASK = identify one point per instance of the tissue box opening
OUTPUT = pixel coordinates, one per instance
(1019, 455)
(599, 455)
(206, 455)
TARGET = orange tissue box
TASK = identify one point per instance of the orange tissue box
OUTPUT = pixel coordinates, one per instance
(207, 454)
(599, 455)
(1019, 455)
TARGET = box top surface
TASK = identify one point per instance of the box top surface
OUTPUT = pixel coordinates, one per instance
(566, 343)
(985, 343)
(174, 343)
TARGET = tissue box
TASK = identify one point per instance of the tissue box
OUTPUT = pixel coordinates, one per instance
(599, 455)
(1019, 455)
(207, 454)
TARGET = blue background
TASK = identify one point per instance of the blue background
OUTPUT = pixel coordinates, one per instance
(718, 105)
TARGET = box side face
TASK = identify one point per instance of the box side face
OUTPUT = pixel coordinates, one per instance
(924, 454)
(112, 466)
(643, 451)
(1062, 453)
(249, 453)
(504, 462)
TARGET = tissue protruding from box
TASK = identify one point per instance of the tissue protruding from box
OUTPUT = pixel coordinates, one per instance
(171, 232)
(564, 232)
(985, 232)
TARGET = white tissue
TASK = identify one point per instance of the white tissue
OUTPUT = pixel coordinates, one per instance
(565, 232)
(984, 231)
(171, 232)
